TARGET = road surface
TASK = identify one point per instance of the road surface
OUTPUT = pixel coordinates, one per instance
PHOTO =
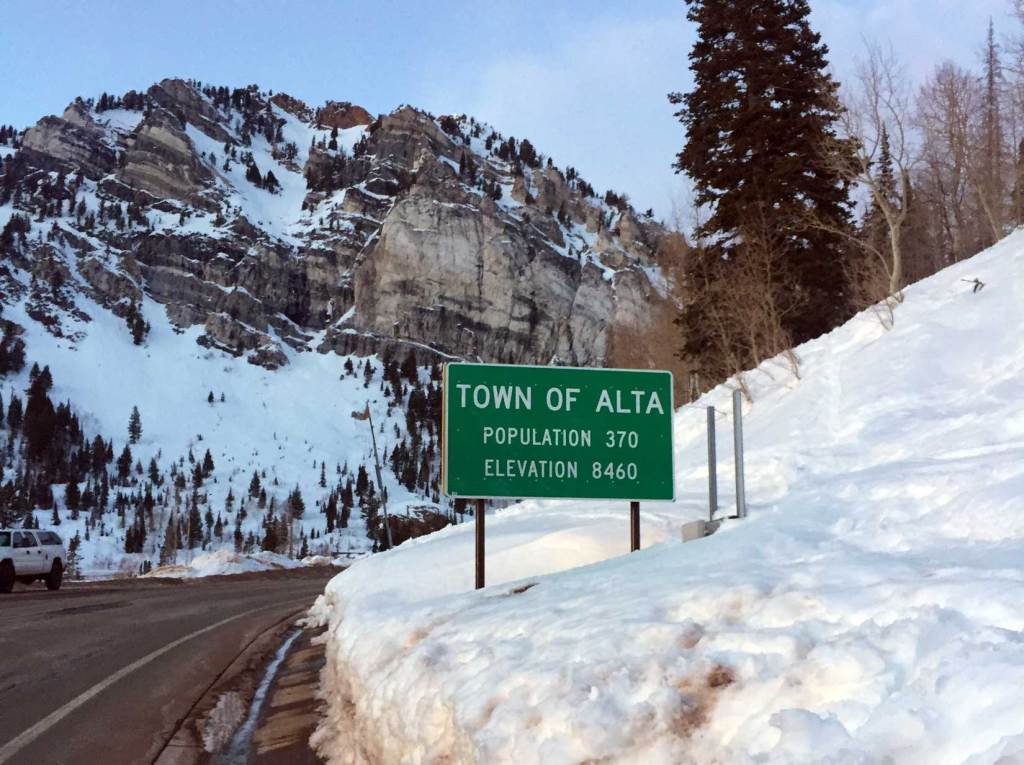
(105, 672)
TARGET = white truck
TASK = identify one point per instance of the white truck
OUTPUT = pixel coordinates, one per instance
(30, 554)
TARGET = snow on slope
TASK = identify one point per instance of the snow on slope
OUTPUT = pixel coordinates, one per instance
(279, 214)
(285, 422)
(868, 611)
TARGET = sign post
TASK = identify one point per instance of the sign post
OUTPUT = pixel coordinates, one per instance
(518, 432)
(479, 513)
(634, 526)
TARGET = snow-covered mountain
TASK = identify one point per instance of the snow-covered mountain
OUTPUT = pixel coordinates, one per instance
(867, 611)
(267, 222)
(247, 272)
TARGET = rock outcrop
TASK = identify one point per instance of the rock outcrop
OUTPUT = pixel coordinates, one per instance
(342, 115)
(332, 229)
(54, 142)
(161, 161)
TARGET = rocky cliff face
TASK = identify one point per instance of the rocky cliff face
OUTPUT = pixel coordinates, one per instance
(274, 225)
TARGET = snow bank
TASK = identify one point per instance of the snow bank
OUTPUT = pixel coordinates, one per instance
(869, 610)
(223, 561)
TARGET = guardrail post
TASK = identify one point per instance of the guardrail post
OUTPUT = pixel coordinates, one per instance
(737, 439)
(712, 466)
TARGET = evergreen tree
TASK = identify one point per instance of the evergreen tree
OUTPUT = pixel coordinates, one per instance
(169, 550)
(14, 414)
(346, 506)
(71, 565)
(875, 228)
(991, 184)
(195, 524)
(370, 506)
(124, 464)
(207, 464)
(39, 422)
(98, 455)
(331, 511)
(762, 109)
(72, 497)
(254, 485)
(362, 481)
(137, 325)
(270, 535)
(296, 505)
(409, 369)
(134, 426)
(252, 174)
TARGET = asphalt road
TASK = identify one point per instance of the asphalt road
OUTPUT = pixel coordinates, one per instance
(105, 672)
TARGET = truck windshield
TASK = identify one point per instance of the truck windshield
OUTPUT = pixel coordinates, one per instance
(5, 539)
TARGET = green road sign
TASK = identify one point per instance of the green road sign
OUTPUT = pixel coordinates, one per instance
(522, 431)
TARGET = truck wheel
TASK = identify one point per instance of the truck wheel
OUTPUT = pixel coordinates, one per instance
(6, 576)
(55, 577)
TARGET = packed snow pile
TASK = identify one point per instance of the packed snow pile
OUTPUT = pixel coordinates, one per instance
(867, 611)
(223, 561)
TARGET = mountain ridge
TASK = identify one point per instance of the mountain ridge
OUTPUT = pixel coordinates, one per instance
(266, 220)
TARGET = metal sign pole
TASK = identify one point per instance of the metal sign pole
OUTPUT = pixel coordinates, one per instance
(634, 526)
(479, 543)
(712, 467)
(737, 438)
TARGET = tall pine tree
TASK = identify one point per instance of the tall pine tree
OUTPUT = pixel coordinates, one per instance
(762, 108)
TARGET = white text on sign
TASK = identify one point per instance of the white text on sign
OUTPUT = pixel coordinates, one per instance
(557, 399)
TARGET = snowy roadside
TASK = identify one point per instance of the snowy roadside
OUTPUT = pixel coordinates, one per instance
(867, 611)
(224, 562)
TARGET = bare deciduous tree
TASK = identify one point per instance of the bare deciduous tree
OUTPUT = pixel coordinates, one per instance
(876, 120)
(744, 303)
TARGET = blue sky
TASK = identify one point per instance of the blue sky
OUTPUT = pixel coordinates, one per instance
(585, 81)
